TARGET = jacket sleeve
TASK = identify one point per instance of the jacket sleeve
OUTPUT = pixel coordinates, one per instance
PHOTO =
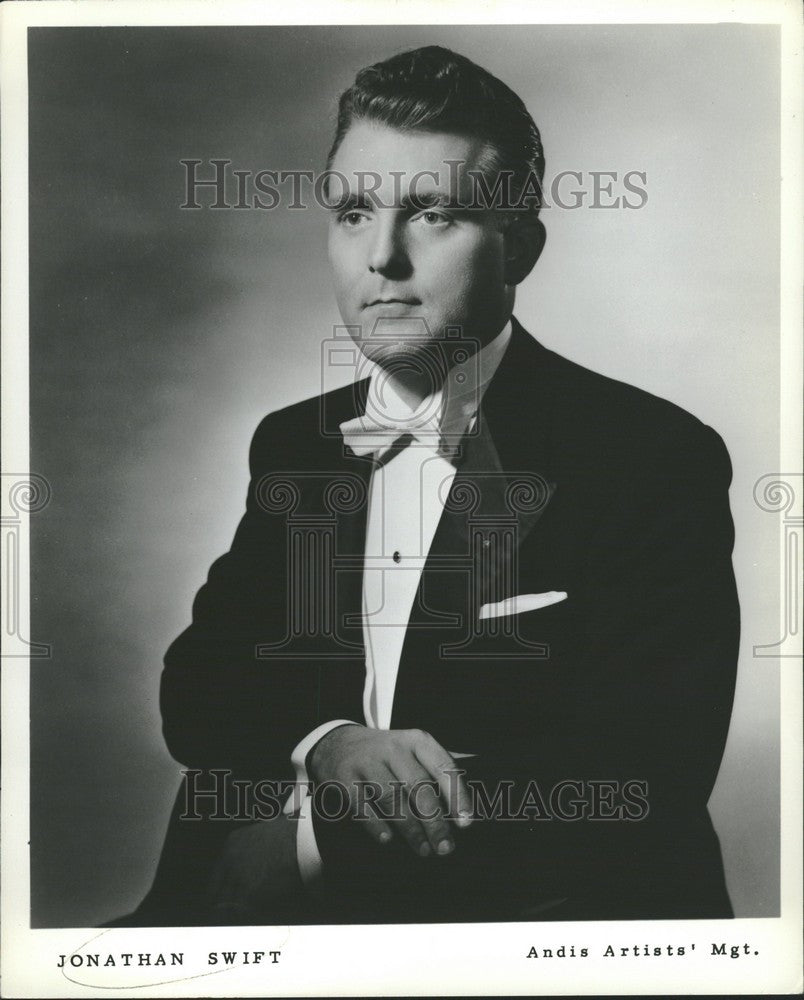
(656, 671)
(643, 689)
(222, 706)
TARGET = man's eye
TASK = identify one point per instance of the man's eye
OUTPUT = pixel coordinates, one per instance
(351, 218)
(432, 218)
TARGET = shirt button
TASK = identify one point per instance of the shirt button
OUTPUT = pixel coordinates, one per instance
(397, 557)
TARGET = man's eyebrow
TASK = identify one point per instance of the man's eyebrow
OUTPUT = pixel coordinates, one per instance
(347, 200)
(411, 202)
(428, 199)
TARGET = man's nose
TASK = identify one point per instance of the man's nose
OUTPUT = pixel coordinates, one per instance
(387, 253)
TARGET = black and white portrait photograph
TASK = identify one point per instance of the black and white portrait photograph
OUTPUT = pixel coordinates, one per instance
(401, 500)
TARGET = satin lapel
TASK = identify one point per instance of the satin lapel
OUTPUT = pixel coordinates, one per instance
(499, 492)
(345, 499)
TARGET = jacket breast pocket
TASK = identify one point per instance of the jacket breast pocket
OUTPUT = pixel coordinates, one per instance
(531, 636)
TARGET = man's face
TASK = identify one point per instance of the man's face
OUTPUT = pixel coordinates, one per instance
(403, 270)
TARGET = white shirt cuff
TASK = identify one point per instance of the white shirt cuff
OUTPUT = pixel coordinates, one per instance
(308, 857)
(299, 803)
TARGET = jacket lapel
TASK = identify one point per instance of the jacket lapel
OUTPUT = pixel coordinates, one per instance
(348, 496)
(499, 492)
(498, 495)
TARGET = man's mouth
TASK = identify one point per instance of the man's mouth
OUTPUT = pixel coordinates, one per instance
(393, 302)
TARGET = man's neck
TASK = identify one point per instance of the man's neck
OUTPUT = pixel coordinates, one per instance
(413, 387)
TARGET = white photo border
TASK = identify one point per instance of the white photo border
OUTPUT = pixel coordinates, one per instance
(466, 959)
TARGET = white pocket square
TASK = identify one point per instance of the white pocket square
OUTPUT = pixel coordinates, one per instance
(522, 602)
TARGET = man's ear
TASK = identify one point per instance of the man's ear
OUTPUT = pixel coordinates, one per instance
(523, 241)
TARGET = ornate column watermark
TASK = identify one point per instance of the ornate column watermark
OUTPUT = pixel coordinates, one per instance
(780, 493)
(313, 561)
(22, 494)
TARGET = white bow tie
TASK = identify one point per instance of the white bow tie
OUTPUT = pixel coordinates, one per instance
(366, 435)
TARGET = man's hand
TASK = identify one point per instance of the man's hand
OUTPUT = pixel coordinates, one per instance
(412, 784)
(258, 865)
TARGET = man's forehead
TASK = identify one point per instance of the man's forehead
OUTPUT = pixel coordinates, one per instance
(373, 153)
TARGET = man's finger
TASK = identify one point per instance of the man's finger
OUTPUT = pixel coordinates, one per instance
(423, 826)
(377, 829)
(371, 806)
(426, 806)
(440, 765)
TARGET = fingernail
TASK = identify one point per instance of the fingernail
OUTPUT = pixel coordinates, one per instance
(424, 850)
(464, 819)
(445, 847)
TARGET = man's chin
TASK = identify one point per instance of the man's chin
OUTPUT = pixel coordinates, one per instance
(423, 357)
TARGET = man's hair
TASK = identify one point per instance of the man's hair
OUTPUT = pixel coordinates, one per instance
(435, 90)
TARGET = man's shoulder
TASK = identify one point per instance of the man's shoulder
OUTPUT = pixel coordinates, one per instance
(598, 428)
(305, 428)
(611, 418)
(336, 403)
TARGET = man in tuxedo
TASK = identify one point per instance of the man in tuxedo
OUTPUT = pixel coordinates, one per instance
(483, 594)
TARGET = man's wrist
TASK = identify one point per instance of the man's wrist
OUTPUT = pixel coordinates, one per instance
(301, 751)
(320, 746)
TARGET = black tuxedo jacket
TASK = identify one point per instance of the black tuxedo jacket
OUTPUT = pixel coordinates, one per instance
(572, 482)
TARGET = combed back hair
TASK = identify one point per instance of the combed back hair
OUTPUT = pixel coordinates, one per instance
(435, 90)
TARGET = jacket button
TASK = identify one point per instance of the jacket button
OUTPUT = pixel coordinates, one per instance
(397, 557)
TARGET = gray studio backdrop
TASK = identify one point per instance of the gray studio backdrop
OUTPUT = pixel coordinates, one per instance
(159, 337)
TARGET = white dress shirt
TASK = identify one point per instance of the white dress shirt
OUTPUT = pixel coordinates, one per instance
(406, 499)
